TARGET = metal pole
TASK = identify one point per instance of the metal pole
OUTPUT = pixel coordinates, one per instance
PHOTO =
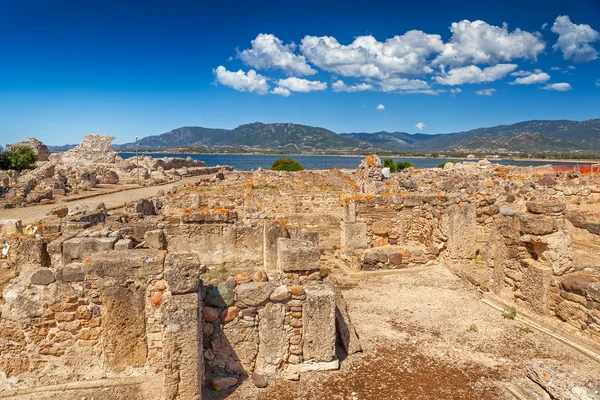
(137, 160)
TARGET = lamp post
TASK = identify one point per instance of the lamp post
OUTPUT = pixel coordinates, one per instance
(137, 160)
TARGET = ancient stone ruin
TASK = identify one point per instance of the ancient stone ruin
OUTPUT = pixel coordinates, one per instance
(210, 285)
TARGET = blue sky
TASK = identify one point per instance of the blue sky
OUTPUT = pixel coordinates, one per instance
(70, 68)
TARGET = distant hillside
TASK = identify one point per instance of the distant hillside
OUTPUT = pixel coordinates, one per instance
(255, 136)
(57, 149)
(523, 137)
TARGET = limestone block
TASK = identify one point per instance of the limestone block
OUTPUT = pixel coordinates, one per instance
(183, 358)
(344, 327)
(297, 255)
(124, 327)
(462, 231)
(382, 227)
(272, 232)
(182, 272)
(71, 273)
(545, 207)
(124, 244)
(142, 264)
(317, 366)
(81, 248)
(254, 293)
(318, 321)
(556, 249)
(10, 227)
(355, 235)
(534, 224)
(536, 287)
(155, 239)
(273, 346)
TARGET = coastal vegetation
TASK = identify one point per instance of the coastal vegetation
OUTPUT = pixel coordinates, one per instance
(18, 158)
(286, 164)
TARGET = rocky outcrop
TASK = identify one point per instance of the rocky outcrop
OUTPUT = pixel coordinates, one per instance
(94, 149)
(38, 147)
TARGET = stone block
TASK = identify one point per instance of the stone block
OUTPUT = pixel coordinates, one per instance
(182, 272)
(124, 244)
(344, 328)
(144, 265)
(535, 224)
(309, 367)
(81, 248)
(10, 227)
(183, 358)
(382, 227)
(536, 287)
(42, 277)
(545, 207)
(155, 239)
(254, 293)
(462, 231)
(355, 235)
(318, 321)
(123, 328)
(71, 273)
(273, 344)
(297, 255)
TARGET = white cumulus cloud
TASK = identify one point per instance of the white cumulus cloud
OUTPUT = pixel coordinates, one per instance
(560, 87)
(369, 58)
(420, 126)
(574, 40)
(241, 81)
(281, 91)
(340, 86)
(404, 85)
(301, 85)
(478, 42)
(380, 107)
(485, 92)
(474, 74)
(532, 79)
(269, 52)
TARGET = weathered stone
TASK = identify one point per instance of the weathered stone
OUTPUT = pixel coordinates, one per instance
(183, 358)
(124, 244)
(242, 278)
(344, 328)
(10, 227)
(93, 149)
(507, 212)
(317, 366)
(259, 380)
(219, 296)
(297, 255)
(155, 239)
(42, 277)
(224, 382)
(558, 381)
(182, 272)
(272, 350)
(123, 328)
(229, 314)
(381, 227)
(254, 293)
(210, 314)
(533, 224)
(59, 211)
(318, 320)
(260, 276)
(545, 207)
(536, 287)
(462, 231)
(81, 248)
(355, 235)
(281, 293)
(577, 284)
(71, 273)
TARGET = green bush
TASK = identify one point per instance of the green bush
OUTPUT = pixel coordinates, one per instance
(19, 158)
(389, 163)
(4, 161)
(286, 164)
(401, 165)
(509, 312)
(442, 165)
(22, 157)
(396, 167)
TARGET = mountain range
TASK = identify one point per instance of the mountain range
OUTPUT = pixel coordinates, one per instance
(537, 136)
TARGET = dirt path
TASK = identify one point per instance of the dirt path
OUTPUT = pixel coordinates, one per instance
(34, 213)
(426, 335)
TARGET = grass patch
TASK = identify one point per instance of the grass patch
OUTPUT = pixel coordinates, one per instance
(472, 328)
(509, 312)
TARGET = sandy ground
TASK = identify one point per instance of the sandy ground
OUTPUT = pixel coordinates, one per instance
(426, 335)
(34, 213)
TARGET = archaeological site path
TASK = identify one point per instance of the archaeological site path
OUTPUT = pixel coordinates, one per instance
(111, 200)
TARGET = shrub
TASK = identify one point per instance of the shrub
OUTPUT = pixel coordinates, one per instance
(389, 163)
(4, 161)
(22, 157)
(472, 328)
(509, 313)
(401, 165)
(286, 164)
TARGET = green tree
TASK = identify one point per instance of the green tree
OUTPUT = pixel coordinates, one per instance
(286, 164)
(442, 165)
(402, 165)
(22, 157)
(389, 163)
(4, 161)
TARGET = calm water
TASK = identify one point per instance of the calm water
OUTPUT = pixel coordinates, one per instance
(252, 161)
